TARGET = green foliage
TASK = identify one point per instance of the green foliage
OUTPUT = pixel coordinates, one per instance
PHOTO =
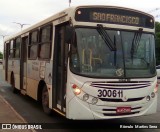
(157, 27)
(157, 35)
(1, 55)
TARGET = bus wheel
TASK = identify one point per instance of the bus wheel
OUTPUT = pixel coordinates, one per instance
(13, 84)
(45, 101)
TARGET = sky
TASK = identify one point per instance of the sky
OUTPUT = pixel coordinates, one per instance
(32, 11)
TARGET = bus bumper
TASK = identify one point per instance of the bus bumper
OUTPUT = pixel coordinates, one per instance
(80, 110)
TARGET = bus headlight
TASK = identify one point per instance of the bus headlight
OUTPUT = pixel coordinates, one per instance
(85, 97)
(76, 89)
(148, 98)
(94, 100)
(152, 94)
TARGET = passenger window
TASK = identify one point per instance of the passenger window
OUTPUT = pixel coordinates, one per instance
(11, 49)
(17, 48)
(45, 42)
(33, 45)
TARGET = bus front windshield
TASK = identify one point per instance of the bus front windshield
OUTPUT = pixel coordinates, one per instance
(112, 54)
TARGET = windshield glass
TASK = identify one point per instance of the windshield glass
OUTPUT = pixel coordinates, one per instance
(92, 56)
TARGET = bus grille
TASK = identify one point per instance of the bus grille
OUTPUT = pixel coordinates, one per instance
(120, 100)
(121, 85)
(122, 114)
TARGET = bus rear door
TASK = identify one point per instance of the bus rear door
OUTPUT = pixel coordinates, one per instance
(23, 65)
(6, 56)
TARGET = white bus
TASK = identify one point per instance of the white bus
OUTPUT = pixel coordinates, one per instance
(87, 62)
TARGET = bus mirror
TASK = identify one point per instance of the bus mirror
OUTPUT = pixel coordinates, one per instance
(69, 34)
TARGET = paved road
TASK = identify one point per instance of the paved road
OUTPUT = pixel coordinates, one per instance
(32, 112)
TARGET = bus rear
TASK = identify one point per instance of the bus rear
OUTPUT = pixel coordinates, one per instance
(111, 71)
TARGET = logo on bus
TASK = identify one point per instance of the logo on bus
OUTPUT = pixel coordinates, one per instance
(124, 98)
(120, 72)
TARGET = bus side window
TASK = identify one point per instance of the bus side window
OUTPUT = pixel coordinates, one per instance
(45, 42)
(17, 47)
(4, 51)
(33, 45)
(11, 49)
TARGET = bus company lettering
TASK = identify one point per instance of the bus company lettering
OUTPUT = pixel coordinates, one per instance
(35, 63)
(35, 66)
(12, 64)
(97, 16)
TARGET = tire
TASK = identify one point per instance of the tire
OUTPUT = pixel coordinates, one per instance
(45, 101)
(13, 84)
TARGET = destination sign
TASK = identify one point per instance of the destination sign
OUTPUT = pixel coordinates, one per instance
(114, 16)
(107, 17)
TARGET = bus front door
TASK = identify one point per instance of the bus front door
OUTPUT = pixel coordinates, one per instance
(23, 65)
(60, 69)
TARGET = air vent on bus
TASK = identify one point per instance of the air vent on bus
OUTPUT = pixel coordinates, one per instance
(121, 85)
(121, 114)
(120, 100)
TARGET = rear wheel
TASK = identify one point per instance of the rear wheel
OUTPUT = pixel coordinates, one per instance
(45, 101)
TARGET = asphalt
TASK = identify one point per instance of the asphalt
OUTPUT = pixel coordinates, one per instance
(8, 114)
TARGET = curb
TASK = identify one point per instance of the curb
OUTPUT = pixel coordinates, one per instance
(19, 116)
(16, 113)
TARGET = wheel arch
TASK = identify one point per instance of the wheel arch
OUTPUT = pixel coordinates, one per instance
(41, 84)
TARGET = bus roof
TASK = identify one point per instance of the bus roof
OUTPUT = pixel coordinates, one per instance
(68, 11)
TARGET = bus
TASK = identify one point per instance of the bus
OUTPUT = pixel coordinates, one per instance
(86, 63)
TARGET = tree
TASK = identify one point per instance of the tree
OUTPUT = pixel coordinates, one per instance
(1, 55)
(157, 35)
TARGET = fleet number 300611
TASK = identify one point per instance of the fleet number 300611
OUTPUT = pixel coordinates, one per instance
(110, 93)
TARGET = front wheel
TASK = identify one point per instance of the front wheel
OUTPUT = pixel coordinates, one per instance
(45, 101)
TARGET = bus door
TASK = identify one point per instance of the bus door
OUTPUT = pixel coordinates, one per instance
(6, 56)
(23, 65)
(60, 69)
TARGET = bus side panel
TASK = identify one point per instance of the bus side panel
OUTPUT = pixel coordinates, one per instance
(48, 80)
(17, 81)
(3, 75)
(37, 71)
(3, 70)
(32, 78)
(9, 77)
(32, 87)
(14, 67)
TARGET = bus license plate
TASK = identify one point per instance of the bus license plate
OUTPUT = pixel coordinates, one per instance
(121, 110)
(110, 93)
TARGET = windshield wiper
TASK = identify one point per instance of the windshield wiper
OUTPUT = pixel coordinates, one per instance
(135, 41)
(106, 37)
